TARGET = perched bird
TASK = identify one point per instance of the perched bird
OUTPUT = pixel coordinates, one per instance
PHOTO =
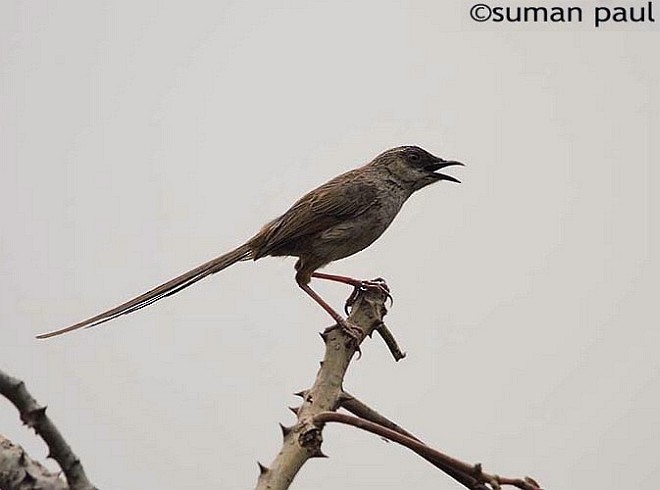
(336, 220)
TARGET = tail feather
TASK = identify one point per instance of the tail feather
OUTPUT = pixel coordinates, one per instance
(173, 286)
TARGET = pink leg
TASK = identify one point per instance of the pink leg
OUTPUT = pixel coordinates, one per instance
(357, 285)
(354, 332)
(336, 278)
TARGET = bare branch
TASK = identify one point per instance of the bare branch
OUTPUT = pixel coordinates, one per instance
(390, 341)
(362, 410)
(438, 459)
(303, 440)
(34, 416)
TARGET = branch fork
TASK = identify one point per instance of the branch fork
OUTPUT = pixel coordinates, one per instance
(320, 403)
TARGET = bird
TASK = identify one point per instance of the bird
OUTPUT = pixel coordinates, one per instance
(336, 220)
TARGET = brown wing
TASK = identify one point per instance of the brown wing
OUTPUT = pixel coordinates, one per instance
(336, 201)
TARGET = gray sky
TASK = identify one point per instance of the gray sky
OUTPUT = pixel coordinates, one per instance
(139, 139)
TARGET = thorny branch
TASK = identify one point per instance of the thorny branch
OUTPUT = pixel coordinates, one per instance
(34, 416)
(303, 440)
(479, 479)
(363, 411)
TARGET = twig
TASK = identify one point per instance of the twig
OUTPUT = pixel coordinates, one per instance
(363, 411)
(34, 415)
(438, 459)
(390, 341)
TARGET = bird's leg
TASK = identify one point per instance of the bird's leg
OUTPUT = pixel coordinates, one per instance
(354, 332)
(358, 285)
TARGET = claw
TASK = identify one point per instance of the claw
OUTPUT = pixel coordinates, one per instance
(390, 298)
(352, 298)
(378, 283)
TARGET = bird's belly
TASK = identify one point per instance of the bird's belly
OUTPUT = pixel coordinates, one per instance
(348, 238)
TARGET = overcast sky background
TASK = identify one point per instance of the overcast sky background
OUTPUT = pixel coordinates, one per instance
(139, 139)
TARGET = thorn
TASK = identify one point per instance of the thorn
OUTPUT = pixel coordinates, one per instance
(302, 394)
(33, 416)
(18, 386)
(320, 363)
(262, 469)
(295, 410)
(318, 454)
(285, 430)
(324, 336)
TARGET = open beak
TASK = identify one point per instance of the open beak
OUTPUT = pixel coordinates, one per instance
(440, 164)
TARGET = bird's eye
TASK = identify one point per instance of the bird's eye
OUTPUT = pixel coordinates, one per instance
(414, 157)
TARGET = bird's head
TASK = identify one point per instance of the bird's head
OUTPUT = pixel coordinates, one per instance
(413, 166)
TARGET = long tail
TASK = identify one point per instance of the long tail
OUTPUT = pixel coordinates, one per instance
(173, 286)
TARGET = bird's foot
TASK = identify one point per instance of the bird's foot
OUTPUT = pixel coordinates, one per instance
(361, 286)
(358, 286)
